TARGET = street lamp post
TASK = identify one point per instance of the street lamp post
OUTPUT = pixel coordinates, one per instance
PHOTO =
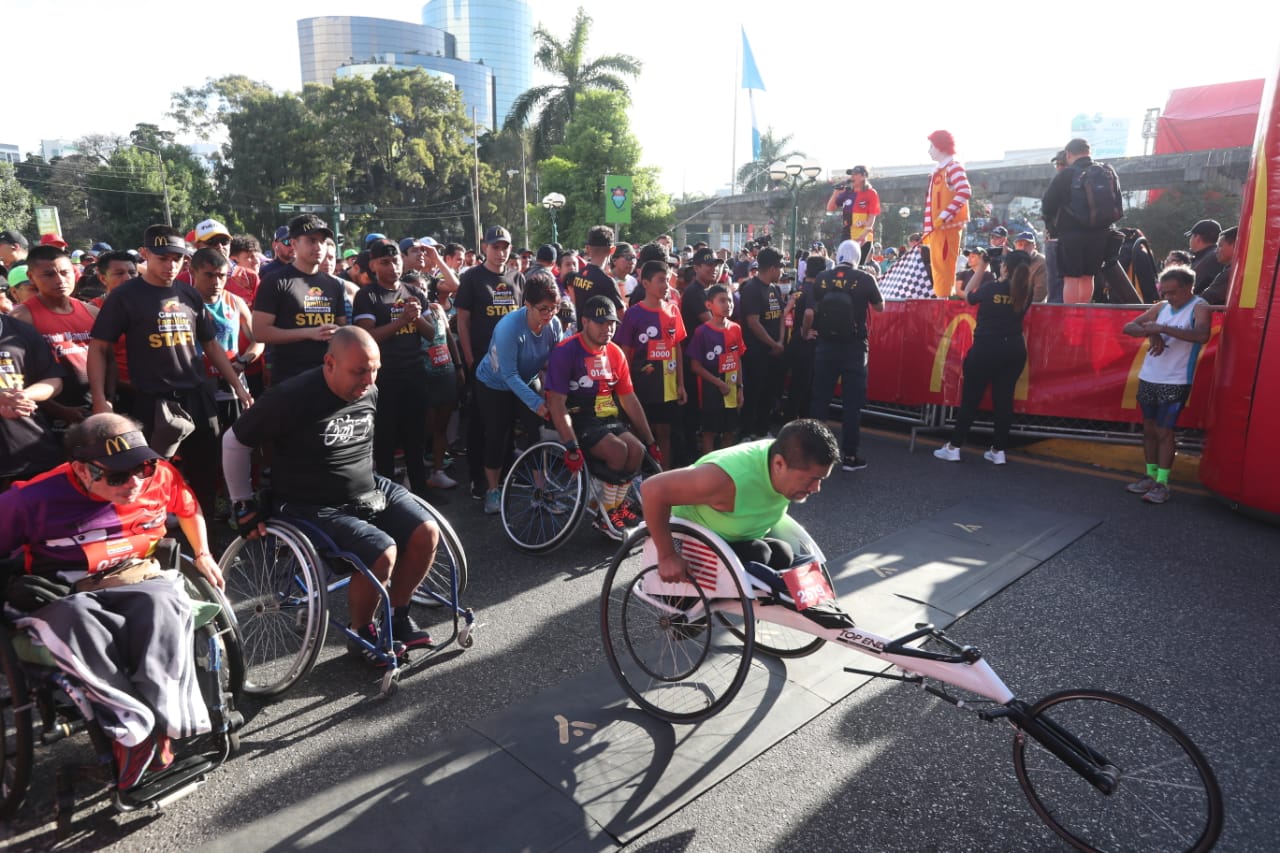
(553, 202)
(164, 182)
(795, 174)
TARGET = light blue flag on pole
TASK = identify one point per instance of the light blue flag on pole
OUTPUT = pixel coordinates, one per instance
(751, 80)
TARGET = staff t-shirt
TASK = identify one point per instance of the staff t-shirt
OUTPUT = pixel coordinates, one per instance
(26, 444)
(404, 350)
(766, 301)
(162, 326)
(593, 281)
(720, 352)
(653, 337)
(489, 296)
(299, 301)
(590, 379)
(323, 445)
(693, 303)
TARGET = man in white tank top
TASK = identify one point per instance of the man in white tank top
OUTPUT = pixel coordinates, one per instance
(1176, 329)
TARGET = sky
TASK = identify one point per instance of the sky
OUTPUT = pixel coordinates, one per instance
(850, 87)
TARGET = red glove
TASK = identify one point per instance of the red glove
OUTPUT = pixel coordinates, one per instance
(574, 460)
(656, 452)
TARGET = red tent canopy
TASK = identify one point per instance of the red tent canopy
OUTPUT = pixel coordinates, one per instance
(1224, 115)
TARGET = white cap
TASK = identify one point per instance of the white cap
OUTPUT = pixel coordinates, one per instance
(210, 228)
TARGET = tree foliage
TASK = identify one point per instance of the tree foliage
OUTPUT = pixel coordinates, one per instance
(1166, 220)
(16, 202)
(554, 104)
(599, 142)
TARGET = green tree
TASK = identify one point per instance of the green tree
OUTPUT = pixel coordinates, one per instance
(554, 104)
(205, 110)
(599, 142)
(1166, 220)
(754, 176)
(16, 201)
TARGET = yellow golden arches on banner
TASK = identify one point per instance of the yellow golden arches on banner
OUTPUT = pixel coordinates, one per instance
(944, 346)
(1257, 231)
(1130, 399)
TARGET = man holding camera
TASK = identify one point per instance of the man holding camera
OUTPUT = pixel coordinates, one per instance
(859, 205)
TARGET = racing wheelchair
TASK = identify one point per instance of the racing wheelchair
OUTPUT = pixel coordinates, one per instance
(279, 585)
(543, 502)
(39, 703)
(1102, 770)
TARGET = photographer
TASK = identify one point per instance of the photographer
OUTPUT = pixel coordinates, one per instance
(859, 205)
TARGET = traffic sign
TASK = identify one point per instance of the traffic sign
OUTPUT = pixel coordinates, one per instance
(302, 208)
(358, 208)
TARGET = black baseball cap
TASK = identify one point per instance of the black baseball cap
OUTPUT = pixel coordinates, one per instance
(705, 256)
(163, 240)
(600, 309)
(497, 234)
(999, 231)
(309, 223)
(547, 253)
(14, 237)
(117, 453)
(383, 249)
(1210, 229)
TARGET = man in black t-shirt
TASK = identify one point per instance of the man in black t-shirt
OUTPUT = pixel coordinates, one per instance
(762, 366)
(320, 426)
(28, 375)
(162, 321)
(837, 320)
(395, 314)
(486, 294)
(281, 253)
(297, 307)
(594, 281)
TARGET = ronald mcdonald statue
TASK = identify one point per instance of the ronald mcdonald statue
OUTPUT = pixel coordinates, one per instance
(946, 210)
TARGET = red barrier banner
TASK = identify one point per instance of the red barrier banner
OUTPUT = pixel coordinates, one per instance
(1079, 362)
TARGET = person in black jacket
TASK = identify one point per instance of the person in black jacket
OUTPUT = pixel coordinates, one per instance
(1081, 248)
(998, 354)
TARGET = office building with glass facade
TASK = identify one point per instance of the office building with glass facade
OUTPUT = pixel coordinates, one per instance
(498, 33)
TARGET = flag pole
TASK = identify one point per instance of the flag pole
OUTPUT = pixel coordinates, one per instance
(733, 166)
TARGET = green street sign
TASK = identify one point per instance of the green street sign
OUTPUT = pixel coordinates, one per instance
(302, 208)
(617, 199)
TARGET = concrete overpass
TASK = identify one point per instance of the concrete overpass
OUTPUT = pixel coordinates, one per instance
(725, 219)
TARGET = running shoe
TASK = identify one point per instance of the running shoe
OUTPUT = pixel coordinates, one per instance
(406, 631)
(605, 526)
(440, 480)
(1141, 487)
(623, 516)
(477, 492)
(853, 463)
(132, 762)
(369, 633)
(1158, 494)
(995, 457)
(947, 453)
(493, 502)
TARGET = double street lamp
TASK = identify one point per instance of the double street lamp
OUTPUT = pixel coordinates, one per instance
(553, 202)
(795, 174)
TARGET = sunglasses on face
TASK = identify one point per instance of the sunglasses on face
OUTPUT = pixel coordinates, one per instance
(143, 472)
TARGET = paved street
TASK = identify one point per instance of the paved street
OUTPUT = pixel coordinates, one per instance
(1172, 605)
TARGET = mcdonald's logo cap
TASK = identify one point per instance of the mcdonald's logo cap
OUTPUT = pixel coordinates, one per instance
(122, 452)
(309, 223)
(162, 240)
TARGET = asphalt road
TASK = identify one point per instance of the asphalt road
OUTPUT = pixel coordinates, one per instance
(1172, 605)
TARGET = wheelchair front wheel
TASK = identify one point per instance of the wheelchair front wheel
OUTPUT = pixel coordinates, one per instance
(665, 648)
(15, 728)
(280, 604)
(542, 500)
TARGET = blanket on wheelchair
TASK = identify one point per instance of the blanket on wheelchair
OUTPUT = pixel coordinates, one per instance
(131, 649)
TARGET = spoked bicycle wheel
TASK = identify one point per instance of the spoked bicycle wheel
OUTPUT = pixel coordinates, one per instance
(1164, 797)
(542, 500)
(450, 559)
(16, 733)
(280, 603)
(665, 646)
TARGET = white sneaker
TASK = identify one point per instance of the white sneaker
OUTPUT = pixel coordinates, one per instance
(947, 453)
(441, 480)
(996, 457)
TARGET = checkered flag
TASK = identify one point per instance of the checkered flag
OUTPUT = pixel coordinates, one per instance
(909, 278)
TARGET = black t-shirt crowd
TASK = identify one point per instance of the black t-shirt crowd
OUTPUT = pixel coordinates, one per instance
(766, 301)
(322, 445)
(299, 301)
(594, 281)
(26, 444)
(489, 296)
(403, 351)
(162, 326)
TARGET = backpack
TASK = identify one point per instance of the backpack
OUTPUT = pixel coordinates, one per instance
(834, 316)
(1095, 197)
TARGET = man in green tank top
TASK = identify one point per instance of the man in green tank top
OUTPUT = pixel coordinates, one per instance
(740, 493)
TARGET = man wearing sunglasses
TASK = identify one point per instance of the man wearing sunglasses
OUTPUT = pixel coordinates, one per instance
(94, 523)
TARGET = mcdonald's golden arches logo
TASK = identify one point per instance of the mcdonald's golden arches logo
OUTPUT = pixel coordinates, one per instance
(118, 444)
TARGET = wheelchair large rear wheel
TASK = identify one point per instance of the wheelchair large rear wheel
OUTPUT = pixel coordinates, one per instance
(779, 640)
(280, 604)
(15, 729)
(450, 560)
(672, 656)
(542, 500)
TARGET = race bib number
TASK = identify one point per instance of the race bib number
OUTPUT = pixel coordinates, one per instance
(731, 399)
(807, 585)
(605, 406)
(728, 363)
(439, 355)
(658, 350)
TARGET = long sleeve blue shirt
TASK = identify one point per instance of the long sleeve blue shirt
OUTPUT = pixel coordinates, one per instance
(516, 355)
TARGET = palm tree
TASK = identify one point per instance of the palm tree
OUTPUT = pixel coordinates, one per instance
(754, 176)
(554, 104)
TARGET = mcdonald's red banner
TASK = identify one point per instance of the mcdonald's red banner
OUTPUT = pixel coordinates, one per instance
(1079, 362)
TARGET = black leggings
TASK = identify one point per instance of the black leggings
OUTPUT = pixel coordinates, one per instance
(499, 411)
(998, 362)
(774, 553)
